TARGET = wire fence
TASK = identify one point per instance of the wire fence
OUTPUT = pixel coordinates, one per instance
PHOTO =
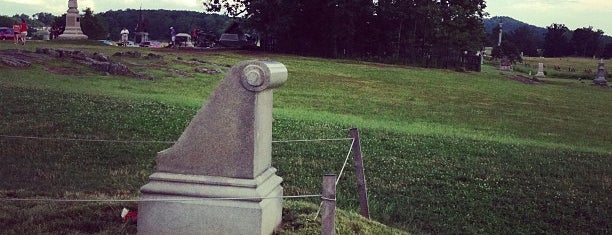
(169, 199)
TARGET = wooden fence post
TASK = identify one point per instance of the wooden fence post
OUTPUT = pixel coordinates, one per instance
(328, 205)
(364, 208)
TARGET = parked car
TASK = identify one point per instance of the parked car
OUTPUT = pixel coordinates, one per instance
(108, 42)
(6, 33)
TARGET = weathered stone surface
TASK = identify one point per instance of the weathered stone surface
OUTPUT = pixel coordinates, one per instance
(131, 54)
(14, 62)
(154, 56)
(100, 57)
(225, 152)
(207, 71)
(540, 73)
(20, 58)
(600, 78)
(238, 113)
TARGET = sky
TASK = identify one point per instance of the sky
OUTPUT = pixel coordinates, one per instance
(573, 13)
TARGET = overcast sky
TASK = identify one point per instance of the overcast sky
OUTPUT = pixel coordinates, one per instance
(572, 13)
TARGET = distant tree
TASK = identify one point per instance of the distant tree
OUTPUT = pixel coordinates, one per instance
(6, 21)
(607, 53)
(525, 40)
(556, 41)
(91, 26)
(435, 33)
(508, 50)
(158, 22)
(587, 43)
(46, 19)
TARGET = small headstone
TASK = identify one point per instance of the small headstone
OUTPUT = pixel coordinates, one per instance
(505, 65)
(600, 78)
(540, 73)
(225, 152)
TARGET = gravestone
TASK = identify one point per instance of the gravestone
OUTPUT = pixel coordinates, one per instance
(540, 73)
(600, 78)
(225, 152)
(72, 31)
(473, 63)
(505, 64)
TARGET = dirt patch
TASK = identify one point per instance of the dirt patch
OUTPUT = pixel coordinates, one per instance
(526, 80)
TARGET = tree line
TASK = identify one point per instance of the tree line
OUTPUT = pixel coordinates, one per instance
(107, 25)
(420, 32)
(558, 41)
(424, 32)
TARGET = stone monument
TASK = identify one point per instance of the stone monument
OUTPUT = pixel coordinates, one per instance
(540, 73)
(225, 152)
(505, 64)
(600, 78)
(73, 23)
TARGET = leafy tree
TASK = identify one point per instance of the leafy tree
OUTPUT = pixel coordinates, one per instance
(60, 23)
(46, 19)
(425, 32)
(586, 43)
(508, 50)
(556, 41)
(607, 53)
(158, 22)
(525, 40)
(91, 26)
(6, 21)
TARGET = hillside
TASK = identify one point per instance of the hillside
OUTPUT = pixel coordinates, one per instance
(445, 152)
(510, 24)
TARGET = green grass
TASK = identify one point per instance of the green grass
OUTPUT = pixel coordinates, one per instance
(585, 68)
(445, 152)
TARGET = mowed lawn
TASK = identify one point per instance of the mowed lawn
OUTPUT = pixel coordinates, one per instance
(446, 152)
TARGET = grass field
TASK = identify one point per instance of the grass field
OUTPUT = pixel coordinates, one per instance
(572, 68)
(445, 152)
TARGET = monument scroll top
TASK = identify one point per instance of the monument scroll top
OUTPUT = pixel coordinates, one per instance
(231, 136)
(260, 75)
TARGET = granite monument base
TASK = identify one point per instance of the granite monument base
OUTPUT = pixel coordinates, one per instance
(72, 34)
(245, 213)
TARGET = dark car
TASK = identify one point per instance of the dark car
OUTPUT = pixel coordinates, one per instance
(6, 33)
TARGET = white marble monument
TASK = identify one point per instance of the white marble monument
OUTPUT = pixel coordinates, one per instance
(225, 152)
(600, 77)
(72, 31)
(540, 73)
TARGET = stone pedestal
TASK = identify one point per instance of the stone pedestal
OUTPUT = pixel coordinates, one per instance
(218, 176)
(196, 211)
(142, 37)
(72, 31)
(600, 78)
(540, 73)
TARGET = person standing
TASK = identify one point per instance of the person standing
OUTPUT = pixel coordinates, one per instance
(24, 31)
(172, 35)
(16, 33)
(124, 36)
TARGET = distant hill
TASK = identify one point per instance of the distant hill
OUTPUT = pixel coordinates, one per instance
(510, 24)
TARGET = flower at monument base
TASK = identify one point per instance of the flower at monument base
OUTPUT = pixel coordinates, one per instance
(129, 216)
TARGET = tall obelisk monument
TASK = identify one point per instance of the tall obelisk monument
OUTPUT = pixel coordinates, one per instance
(73, 23)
